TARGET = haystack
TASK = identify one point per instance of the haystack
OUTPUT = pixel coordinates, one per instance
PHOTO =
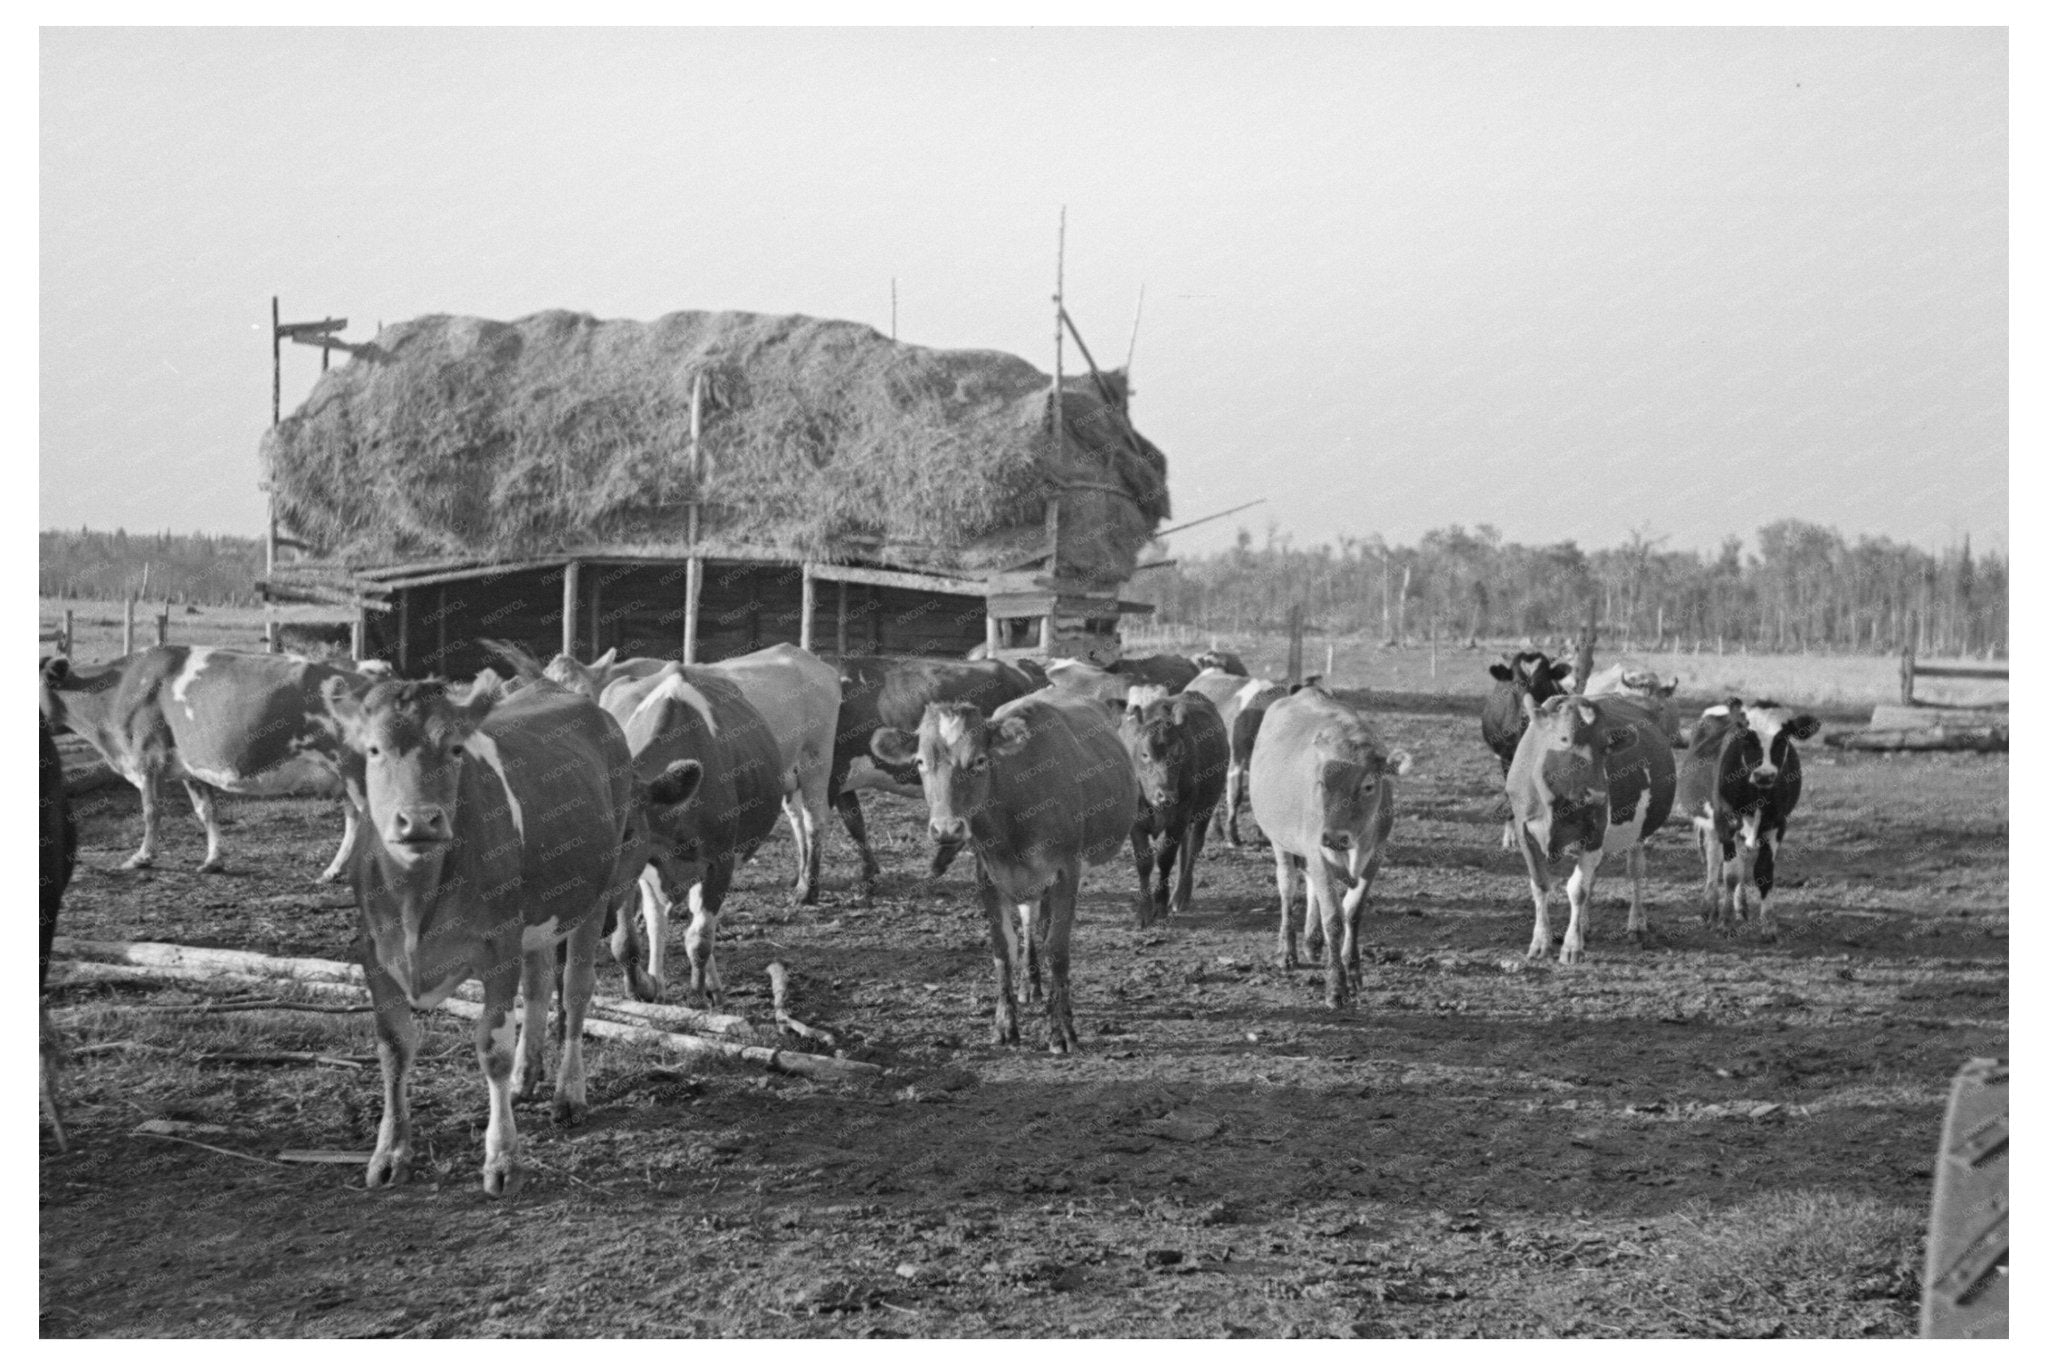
(822, 440)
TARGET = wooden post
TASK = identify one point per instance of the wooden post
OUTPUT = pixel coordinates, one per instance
(992, 635)
(693, 589)
(1294, 644)
(1059, 416)
(270, 640)
(64, 644)
(571, 581)
(163, 625)
(1329, 659)
(842, 618)
(1432, 646)
(804, 640)
(128, 627)
(1582, 666)
(1045, 631)
(1906, 676)
(693, 572)
(441, 630)
(404, 631)
(358, 633)
(596, 613)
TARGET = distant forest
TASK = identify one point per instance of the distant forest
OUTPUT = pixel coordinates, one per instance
(206, 570)
(1804, 587)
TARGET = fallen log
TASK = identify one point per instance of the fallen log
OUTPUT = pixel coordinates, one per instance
(776, 1059)
(778, 985)
(677, 1016)
(221, 960)
(1986, 740)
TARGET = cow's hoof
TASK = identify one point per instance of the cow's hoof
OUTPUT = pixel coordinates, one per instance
(569, 1111)
(138, 862)
(1537, 951)
(1767, 933)
(213, 865)
(388, 1168)
(1569, 955)
(503, 1177)
(328, 878)
(1639, 937)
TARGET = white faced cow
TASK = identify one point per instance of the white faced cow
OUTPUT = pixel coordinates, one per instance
(1739, 783)
(1643, 686)
(1590, 778)
(1036, 789)
(493, 831)
(248, 724)
(1322, 789)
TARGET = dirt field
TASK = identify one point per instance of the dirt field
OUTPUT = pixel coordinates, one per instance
(1705, 1137)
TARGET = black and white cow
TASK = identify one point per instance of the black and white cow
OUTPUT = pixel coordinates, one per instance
(1739, 783)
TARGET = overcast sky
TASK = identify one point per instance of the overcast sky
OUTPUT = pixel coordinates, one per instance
(1569, 282)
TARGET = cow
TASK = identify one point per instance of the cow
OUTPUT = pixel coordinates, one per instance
(1171, 671)
(1529, 674)
(877, 691)
(1078, 678)
(1180, 752)
(1739, 783)
(494, 829)
(1322, 789)
(56, 857)
(688, 714)
(216, 719)
(1242, 703)
(797, 694)
(1645, 687)
(1221, 660)
(1036, 788)
(1591, 777)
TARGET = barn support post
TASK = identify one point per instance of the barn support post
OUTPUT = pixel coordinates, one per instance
(804, 639)
(441, 629)
(358, 633)
(404, 631)
(270, 641)
(163, 625)
(693, 589)
(992, 635)
(596, 613)
(1045, 628)
(571, 580)
(842, 618)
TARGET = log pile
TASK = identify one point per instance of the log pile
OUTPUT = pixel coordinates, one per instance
(1919, 728)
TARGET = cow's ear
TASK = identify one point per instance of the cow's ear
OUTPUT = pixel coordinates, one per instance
(343, 705)
(1560, 672)
(677, 784)
(1399, 763)
(1803, 727)
(1588, 714)
(1621, 737)
(484, 694)
(1501, 671)
(1668, 689)
(605, 659)
(56, 669)
(1007, 736)
(897, 748)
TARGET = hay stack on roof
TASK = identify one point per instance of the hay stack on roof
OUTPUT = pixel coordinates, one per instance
(820, 440)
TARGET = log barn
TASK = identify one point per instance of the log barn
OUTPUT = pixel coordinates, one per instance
(706, 484)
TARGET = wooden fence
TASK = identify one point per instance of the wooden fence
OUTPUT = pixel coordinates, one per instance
(1999, 670)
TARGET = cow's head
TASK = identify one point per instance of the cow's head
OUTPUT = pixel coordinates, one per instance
(1221, 660)
(1774, 727)
(1534, 674)
(1350, 785)
(1568, 739)
(583, 679)
(1163, 746)
(955, 749)
(411, 740)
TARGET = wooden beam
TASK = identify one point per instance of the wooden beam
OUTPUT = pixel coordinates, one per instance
(896, 578)
(326, 343)
(804, 640)
(426, 580)
(295, 330)
(571, 580)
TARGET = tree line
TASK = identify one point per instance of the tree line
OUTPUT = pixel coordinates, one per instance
(1803, 587)
(206, 570)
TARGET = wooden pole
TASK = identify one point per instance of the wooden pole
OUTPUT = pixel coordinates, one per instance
(1045, 628)
(992, 636)
(804, 639)
(404, 631)
(64, 644)
(270, 640)
(1329, 659)
(441, 630)
(1294, 644)
(1059, 414)
(128, 627)
(693, 569)
(1582, 666)
(596, 613)
(571, 581)
(842, 618)
(163, 625)
(1906, 676)
(358, 633)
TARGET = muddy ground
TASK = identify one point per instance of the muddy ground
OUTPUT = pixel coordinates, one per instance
(1707, 1136)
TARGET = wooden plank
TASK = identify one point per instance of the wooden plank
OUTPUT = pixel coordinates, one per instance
(897, 578)
(294, 330)
(571, 580)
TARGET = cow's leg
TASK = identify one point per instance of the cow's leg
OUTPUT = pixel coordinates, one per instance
(1002, 938)
(848, 806)
(1580, 891)
(811, 806)
(700, 940)
(536, 989)
(1766, 874)
(1710, 859)
(1283, 875)
(1356, 907)
(145, 780)
(1638, 918)
(203, 807)
(397, 1039)
(496, 1041)
(1323, 906)
(1744, 894)
(1030, 943)
(1141, 858)
(1194, 834)
(1057, 920)
(1539, 891)
(579, 979)
(643, 928)
(1233, 797)
(1164, 898)
(345, 856)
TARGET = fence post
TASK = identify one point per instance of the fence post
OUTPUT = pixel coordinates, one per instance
(128, 627)
(1294, 644)
(64, 642)
(1906, 676)
(163, 625)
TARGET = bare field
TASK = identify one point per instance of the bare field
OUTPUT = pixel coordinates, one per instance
(1707, 1136)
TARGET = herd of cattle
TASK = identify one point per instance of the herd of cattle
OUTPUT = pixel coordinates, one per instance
(497, 831)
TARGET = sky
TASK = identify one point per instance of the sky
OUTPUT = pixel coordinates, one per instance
(1570, 283)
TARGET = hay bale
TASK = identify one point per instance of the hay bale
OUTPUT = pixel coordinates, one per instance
(821, 439)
